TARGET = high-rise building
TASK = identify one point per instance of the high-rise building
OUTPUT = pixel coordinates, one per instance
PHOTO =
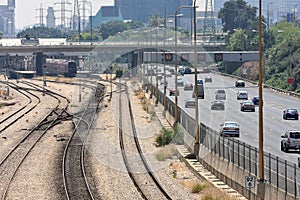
(142, 10)
(50, 18)
(7, 19)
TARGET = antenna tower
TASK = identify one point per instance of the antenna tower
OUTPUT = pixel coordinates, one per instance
(209, 28)
(41, 15)
(63, 12)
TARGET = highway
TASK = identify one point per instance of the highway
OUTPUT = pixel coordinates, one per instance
(274, 104)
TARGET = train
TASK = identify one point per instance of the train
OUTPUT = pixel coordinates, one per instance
(60, 67)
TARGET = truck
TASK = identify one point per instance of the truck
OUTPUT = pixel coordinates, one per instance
(200, 88)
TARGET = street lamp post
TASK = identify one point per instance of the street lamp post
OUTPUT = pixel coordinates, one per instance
(197, 133)
(261, 184)
(44, 80)
(156, 91)
(176, 62)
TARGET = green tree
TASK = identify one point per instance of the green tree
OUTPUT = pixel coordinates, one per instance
(111, 28)
(236, 14)
(155, 21)
(41, 32)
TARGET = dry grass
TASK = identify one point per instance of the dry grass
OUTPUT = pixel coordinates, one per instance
(166, 153)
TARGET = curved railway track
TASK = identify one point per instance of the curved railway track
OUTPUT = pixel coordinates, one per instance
(146, 183)
(74, 176)
(12, 161)
(19, 113)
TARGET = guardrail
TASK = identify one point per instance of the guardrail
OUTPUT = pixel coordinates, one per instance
(231, 160)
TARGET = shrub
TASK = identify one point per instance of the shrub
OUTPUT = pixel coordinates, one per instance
(198, 187)
(165, 137)
(166, 153)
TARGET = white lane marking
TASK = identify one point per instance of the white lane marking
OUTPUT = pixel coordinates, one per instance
(269, 148)
(255, 140)
(246, 134)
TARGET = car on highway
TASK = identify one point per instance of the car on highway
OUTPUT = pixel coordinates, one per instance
(230, 128)
(242, 95)
(220, 95)
(290, 113)
(172, 92)
(172, 71)
(217, 105)
(247, 105)
(180, 82)
(207, 79)
(168, 74)
(189, 103)
(187, 70)
(290, 140)
(239, 83)
(188, 86)
(255, 100)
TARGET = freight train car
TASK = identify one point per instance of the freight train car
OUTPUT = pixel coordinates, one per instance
(60, 67)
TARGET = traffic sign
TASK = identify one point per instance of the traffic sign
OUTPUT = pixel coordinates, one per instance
(291, 80)
(249, 181)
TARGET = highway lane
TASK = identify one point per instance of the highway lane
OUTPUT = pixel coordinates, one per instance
(274, 103)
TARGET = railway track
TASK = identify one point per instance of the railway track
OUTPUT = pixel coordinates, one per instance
(137, 167)
(33, 101)
(74, 176)
(12, 161)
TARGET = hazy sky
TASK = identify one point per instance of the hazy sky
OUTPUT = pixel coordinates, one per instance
(27, 11)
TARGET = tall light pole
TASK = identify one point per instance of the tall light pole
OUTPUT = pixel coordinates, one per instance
(261, 184)
(269, 14)
(156, 61)
(197, 133)
(176, 62)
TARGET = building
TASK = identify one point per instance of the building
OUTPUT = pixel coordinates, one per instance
(50, 18)
(104, 15)
(7, 19)
(142, 10)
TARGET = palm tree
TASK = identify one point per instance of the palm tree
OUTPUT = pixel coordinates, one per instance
(155, 21)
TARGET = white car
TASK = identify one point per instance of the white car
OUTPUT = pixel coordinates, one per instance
(242, 95)
(230, 128)
(220, 95)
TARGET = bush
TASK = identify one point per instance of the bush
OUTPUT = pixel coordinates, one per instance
(166, 153)
(165, 137)
(198, 187)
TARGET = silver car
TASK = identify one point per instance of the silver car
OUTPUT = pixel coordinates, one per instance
(190, 103)
(230, 128)
(290, 140)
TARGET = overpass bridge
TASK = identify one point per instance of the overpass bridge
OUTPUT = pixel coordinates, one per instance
(31, 57)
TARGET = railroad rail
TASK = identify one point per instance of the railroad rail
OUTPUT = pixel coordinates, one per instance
(74, 176)
(12, 161)
(146, 183)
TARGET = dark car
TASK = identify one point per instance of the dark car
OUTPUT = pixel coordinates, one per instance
(172, 92)
(290, 140)
(217, 105)
(187, 70)
(239, 83)
(255, 100)
(208, 79)
(247, 105)
(290, 113)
